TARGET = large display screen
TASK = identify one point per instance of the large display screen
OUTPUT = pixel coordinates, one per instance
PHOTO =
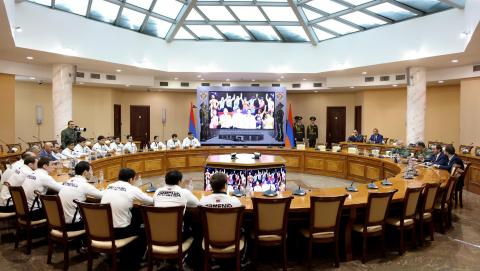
(241, 115)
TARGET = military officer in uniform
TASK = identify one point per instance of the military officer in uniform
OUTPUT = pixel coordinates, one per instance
(279, 122)
(299, 130)
(312, 132)
(69, 134)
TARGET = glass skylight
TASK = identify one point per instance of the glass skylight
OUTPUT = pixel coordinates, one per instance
(391, 11)
(194, 16)
(145, 4)
(311, 15)
(327, 6)
(216, 13)
(157, 27)
(280, 14)
(357, 2)
(74, 6)
(362, 19)
(248, 13)
(322, 35)
(183, 34)
(337, 26)
(426, 5)
(263, 32)
(104, 11)
(169, 8)
(131, 19)
(293, 33)
(234, 32)
(205, 32)
(43, 2)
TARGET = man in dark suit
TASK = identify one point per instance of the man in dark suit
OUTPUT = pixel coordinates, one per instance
(438, 157)
(376, 138)
(453, 161)
(355, 137)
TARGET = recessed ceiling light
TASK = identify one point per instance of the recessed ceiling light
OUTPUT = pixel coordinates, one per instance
(278, 80)
(228, 80)
(304, 79)
(394, 85)
(176, 78)
(202, 79)
(282, 76)
(80, 83)
(18, 29)
(118, 70)
(364, 73)
(352, 87)
(127, 86)
(253, 80)
(198, 76)
(440, 82)
(316, 91)
(32, 78)
(454, 60)
(29, 57)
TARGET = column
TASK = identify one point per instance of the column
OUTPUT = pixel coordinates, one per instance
(7, 109)
(416, 105)
(63, 76)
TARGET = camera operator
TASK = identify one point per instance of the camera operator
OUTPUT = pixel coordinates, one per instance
(71, 134)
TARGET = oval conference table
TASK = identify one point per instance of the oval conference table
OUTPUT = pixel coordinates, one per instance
(362, 169)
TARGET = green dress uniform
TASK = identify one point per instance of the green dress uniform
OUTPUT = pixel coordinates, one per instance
(68, 135)
(312, 135)
(426, 155)
(299, 130)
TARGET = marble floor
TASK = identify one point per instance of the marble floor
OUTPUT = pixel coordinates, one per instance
(458, 249)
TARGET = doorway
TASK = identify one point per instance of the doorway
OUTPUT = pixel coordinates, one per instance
(140, 123)
(336, 122)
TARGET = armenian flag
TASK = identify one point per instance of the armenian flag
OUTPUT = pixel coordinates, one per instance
(191, 124)
(289, 140)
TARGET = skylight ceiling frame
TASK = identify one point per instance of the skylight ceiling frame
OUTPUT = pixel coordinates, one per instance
(145, 20)
(272, 25)
(366, 11)
(252, 37)
(460, 4)
(180, 20)
(302, 18)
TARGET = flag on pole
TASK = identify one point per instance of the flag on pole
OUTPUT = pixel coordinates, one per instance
(191, 124)
(289, 140)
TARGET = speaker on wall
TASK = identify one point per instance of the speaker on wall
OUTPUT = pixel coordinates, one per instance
(39, 114)
(164, 115)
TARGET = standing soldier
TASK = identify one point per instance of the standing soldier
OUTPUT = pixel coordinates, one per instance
(312, 132)
(299, 130)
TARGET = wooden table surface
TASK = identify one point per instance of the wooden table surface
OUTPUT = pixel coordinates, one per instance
(245, 160)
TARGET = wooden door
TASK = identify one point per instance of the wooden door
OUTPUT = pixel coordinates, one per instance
(140, 123)
(336, 122)
(358, 119)
(117, 120)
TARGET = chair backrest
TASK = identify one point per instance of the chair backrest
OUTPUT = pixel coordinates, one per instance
(35, 143)
(163, 225)
(410, 204)
(377, 207)
(428, 198)
(1, 148)
(20, 202)
(271, 215)
(98, 221)
(449, 190)
(325, 213)
(221, 226)
(54, 212)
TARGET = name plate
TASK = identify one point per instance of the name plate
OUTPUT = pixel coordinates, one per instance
(352, 150)
(322, 148)
(300, 146)
(336, 148)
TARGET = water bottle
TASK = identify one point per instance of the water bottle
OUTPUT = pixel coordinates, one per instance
(100, 178)
(140, 181)
(190, 185)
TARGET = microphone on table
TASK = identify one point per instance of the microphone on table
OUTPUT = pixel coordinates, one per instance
(151, 188)
(351, 188)
(299, 192)
(238, 193)
(372, 185)
(270, 192)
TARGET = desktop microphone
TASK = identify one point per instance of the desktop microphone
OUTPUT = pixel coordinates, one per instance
(270, 192)
(238, 193)
(351, 188)
(150, 189)
(372, 185)
(299, 192)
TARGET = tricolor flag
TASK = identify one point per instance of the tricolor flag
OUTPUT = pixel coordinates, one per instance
(289, 140)
(191, 124)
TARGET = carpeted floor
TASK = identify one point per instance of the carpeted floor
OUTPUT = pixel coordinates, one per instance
(458, 249)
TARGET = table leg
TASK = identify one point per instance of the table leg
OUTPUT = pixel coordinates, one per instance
(348, 235)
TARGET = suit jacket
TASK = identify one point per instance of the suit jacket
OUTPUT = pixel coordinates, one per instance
(43, 153)
(441, 159)
(454, 160)
(358, 138)
(378, 139)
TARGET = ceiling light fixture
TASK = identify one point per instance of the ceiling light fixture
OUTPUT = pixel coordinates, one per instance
(282, 76)
(202, 79)
(118, 70)
(440, 82)
(364, 73)
(228, 80)
(454, 60)
(278, 80)
(198, 76)
(352, 87)
(127, 86)
(18, 29)
(80, 83)
(32, 78)
(29, 57)
(316, 91)
(176, 78)
(253, 80)
(394, 86)
(304, 79)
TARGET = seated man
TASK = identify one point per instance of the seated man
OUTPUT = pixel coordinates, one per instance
(172, 194)
(16, 179)
(422, 153)
(47, 151)
(355, 137)
(101, 147)
(190, 141)
(376, 138)
(438, 157)
(81, 149)
(121, 195)
(117, 145)
(173, 142)
(68, 151)
(219, 197)
(36, 150)
(14, 166)
(39, 180)
(157, 144)
(77, 188)
(453, 161)
(130, 146)
(57, 152)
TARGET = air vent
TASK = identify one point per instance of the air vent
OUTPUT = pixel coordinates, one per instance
(205, 84)
(384, 78)
(317, 85)
(164, 84)
(225, 84)
(275, 85)
(80, 74)
(95, 75)
(111, 77)
(369, 79)
(184, 84)
(476, 68)
(255, 85)
(296, 85)
(400, 77)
